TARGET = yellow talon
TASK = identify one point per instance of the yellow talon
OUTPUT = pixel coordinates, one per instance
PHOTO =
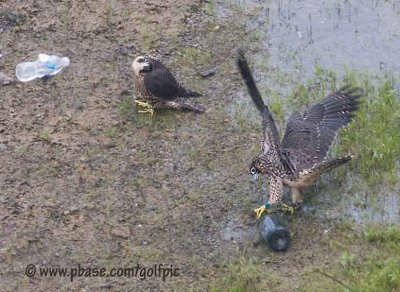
(143, 103)
(150, 111)
(287, 209)
(147, 108)
(259, 211)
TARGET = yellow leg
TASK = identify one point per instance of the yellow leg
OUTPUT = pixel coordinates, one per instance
(147, 108)
(296, 196)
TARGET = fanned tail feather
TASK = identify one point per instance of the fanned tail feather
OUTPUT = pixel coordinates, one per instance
(185, 104)
(333, 163)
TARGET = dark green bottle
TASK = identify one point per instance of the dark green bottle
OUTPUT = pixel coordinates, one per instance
(274, 232)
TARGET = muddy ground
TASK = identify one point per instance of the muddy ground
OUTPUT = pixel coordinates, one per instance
(87, 180)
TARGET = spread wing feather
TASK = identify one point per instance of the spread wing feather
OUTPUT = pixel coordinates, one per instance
(270, 132)
(309, 135)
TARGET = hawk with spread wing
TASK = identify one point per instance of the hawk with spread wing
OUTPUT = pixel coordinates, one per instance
(157, 87)
(301, 157)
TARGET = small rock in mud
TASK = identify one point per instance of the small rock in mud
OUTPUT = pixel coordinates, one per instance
(10, 19)
(3, 147)
(77, 103)
(5, 79)
(106, 285)
(208, 72)
(121, 231)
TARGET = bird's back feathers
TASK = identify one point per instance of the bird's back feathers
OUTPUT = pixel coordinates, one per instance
(162, 83)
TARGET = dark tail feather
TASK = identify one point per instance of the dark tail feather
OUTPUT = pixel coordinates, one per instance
(315, 172)
(185, 104)
(331, 164)
(189, 93)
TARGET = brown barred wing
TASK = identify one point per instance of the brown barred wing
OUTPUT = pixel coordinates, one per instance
(309, 134)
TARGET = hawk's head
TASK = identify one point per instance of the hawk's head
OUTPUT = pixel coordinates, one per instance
(141, 64)
(259, 165)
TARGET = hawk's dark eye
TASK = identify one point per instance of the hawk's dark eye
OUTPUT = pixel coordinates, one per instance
(253, 170)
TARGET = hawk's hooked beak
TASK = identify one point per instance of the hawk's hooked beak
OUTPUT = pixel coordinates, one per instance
(146, 66)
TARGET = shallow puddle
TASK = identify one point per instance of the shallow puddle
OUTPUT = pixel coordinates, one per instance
(386, 209)
(363, 35)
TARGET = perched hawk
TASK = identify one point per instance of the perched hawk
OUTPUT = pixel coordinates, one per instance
(300, 158)
(157, 87)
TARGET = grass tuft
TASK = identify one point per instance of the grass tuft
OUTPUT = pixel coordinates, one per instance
(45, 135)
(241, 276)
(374, 135)
(388, 234)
